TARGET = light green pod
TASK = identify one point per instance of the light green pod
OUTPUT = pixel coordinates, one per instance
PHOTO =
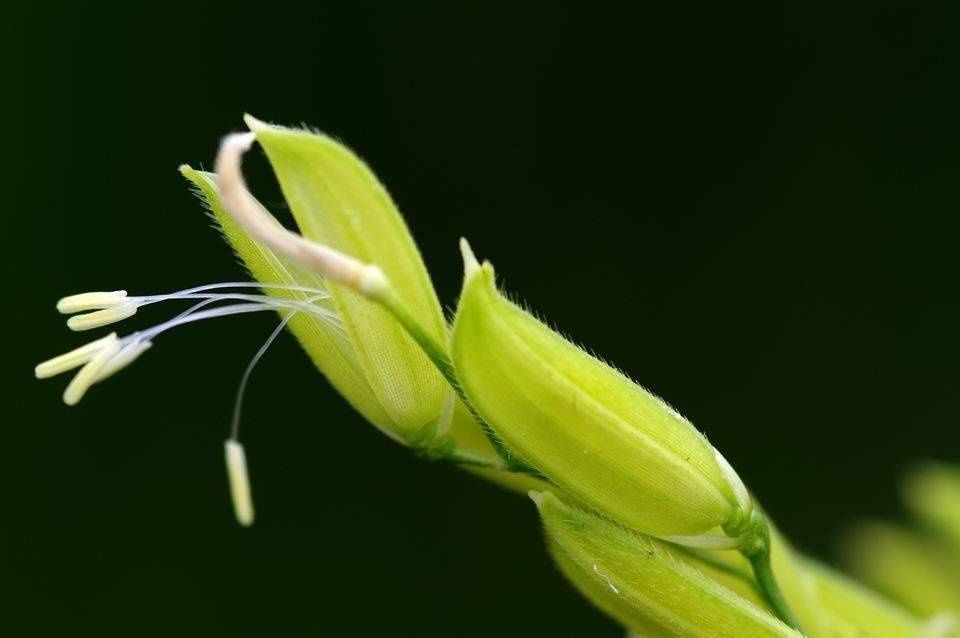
(853, 611)
(583, 424)
(915, 570)
(645, 584)
(932, 492)
(336, 200)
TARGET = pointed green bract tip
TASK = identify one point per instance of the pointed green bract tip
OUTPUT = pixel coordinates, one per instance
(185, 170)
(254, 124)
(470, 264)
(536, 497)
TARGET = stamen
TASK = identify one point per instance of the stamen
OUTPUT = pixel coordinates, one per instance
(103, 317)
(127, 355)
(185, 318)
(90, 371)
(316, 292)
(273, 303)
(90, 301)
(239, 481)
(107, 356)
(257, 222)
(73, 359)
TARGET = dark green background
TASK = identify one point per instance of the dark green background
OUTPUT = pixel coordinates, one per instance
(766, 196)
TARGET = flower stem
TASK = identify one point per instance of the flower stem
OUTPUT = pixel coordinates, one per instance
(438, 354)
(757, 551)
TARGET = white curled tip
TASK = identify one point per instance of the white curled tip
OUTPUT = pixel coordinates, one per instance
(373, 281)
(124, 357)
(73, 359)
(740, 491)
(90, 371)
(90, 301)
(239, 481)
(470, 263)
(366, 279)
(102, 317)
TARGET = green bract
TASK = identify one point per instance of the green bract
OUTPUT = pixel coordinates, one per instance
(583, 424)
(853, 611)
(636, 503)
(914, 569)
(328, 347)
(336, 200)
(932, 492)
(644, 583)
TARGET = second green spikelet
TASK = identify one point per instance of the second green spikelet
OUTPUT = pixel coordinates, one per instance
(586, 426)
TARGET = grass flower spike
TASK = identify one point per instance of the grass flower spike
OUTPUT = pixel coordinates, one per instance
(639, 510)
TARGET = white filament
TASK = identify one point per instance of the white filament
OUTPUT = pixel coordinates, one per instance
(245, 379)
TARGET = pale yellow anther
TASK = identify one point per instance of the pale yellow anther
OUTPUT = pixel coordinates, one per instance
(239, 481)
(88, 373)
(104, 317)
(127, 355)
(72, 359)
(90, 301)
